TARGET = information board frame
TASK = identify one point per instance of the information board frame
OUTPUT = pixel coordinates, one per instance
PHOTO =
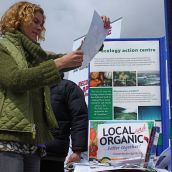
(163, 62)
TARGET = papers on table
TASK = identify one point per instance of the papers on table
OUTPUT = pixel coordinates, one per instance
(89, 169)
(105, 167)
(94, 39)
(137, 161)
(81, 168)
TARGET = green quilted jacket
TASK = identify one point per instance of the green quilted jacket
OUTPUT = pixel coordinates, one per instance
(25, 77)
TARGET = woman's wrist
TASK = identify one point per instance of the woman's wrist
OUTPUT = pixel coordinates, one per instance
(77, 152)
(59, 63)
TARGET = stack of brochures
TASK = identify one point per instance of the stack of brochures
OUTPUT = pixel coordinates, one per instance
(133, 161)
(106, 168)
(130, 169)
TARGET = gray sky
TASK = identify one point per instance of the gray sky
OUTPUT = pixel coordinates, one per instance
(67, 20)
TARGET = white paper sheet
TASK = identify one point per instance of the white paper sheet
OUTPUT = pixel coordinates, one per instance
(94, 39)
(82, 168)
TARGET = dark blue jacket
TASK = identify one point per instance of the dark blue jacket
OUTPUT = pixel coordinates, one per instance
(69, 106)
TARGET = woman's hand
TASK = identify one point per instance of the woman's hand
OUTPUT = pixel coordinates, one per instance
(106, 22)
(72, 59)
(74, 157)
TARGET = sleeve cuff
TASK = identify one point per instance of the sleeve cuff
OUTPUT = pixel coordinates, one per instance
(49, 73)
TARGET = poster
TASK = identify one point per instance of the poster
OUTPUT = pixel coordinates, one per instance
(118, 140)
(125, 81)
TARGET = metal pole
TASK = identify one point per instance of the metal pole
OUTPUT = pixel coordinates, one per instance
(168, 24)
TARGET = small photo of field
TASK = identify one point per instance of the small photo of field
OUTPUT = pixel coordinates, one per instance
(125, 113)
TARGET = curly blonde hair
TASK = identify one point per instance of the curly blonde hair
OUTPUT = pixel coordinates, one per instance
(18, 14)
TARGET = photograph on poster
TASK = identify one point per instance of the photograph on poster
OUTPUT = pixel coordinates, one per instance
(124, 78)
(101, 79)
(148, 78)
(125, 113)
(149, 112)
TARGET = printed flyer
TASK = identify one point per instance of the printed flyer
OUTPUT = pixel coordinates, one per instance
(80, 75)
(118, 140)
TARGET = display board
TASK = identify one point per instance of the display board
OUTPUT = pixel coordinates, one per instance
(128, 81)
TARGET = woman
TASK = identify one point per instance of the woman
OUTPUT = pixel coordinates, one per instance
(26, 72)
